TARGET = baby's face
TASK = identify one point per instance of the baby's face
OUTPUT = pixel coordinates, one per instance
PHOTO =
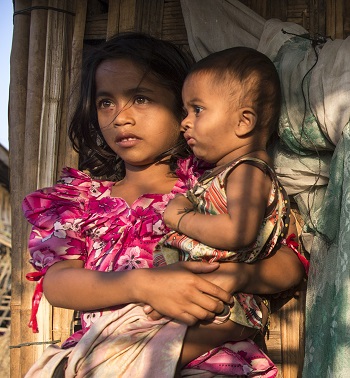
(211, 116)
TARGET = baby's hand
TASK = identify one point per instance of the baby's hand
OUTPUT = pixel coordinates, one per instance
(175, 209)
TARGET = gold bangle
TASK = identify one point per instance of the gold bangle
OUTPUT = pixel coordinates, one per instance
(187, 211)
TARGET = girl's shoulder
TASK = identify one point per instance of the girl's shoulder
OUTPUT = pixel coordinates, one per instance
(74, 189)
(190, 169)
(83, 183)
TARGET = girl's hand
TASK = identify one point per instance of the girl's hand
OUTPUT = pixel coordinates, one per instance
(231, 277)
(175, 209)
(179, 292)
(152, 313)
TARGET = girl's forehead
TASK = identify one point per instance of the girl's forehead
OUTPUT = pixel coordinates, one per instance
(125, 75)
(117, 67)
(125, 70)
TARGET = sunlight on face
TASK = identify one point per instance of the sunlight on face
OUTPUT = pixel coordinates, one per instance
(135, 113)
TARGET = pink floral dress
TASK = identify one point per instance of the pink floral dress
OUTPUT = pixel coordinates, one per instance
(78, 219)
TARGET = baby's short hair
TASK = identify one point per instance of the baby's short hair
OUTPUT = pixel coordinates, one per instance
(255, 73)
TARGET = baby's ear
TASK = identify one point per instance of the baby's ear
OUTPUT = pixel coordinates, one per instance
(247, 121)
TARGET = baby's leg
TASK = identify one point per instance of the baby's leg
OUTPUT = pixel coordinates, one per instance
(201, 338)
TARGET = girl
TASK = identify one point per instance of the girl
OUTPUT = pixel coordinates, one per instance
(89, 236)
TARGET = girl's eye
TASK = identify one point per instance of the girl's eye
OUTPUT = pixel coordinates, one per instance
(140, 100)
(104, 104)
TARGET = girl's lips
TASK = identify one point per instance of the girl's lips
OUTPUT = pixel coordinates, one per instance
(127, 141)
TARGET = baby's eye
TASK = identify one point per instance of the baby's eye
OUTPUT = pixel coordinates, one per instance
(197, 110)
(140, 100)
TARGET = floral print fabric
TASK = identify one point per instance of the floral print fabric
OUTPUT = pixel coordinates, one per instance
(78, 219)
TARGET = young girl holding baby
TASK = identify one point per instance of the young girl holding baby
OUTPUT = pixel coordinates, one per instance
(90, 236)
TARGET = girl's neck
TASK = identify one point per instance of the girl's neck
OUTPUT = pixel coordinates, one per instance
(138, 174)
(151, 179)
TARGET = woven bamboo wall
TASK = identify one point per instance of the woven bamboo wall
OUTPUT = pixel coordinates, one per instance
(45, 63)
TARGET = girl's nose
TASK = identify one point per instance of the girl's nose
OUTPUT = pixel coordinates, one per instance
(123, 117)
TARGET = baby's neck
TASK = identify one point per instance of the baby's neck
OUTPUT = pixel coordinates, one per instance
(248, 150)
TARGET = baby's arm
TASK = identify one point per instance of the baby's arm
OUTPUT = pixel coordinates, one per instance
(201, 338)
(247, 191)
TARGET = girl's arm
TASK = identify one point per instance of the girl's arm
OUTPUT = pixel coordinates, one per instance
(247, 191)
(277, 273)
(67, 284)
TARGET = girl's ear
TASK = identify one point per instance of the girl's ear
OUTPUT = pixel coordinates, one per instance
(246, 121)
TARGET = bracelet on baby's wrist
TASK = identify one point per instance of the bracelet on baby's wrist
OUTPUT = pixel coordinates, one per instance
(185, 212)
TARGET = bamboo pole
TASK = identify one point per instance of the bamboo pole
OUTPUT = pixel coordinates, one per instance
(42, 52)
(330, 18)
(53, 89)
(36, 61)
(66, 155)
(17, 120)
(62, 318)
(339, 19)
(54, 108)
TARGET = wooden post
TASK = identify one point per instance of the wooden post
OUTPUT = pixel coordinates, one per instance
(41, 74)
(127, 16)
(113, 18)
(334, 18)
(20, 176)
(66, 155)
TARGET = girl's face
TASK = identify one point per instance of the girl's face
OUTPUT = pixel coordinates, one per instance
(135, 113)
(211, 114)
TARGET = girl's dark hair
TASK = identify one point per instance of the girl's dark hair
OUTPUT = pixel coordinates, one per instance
(256, 74)
(163, 60)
